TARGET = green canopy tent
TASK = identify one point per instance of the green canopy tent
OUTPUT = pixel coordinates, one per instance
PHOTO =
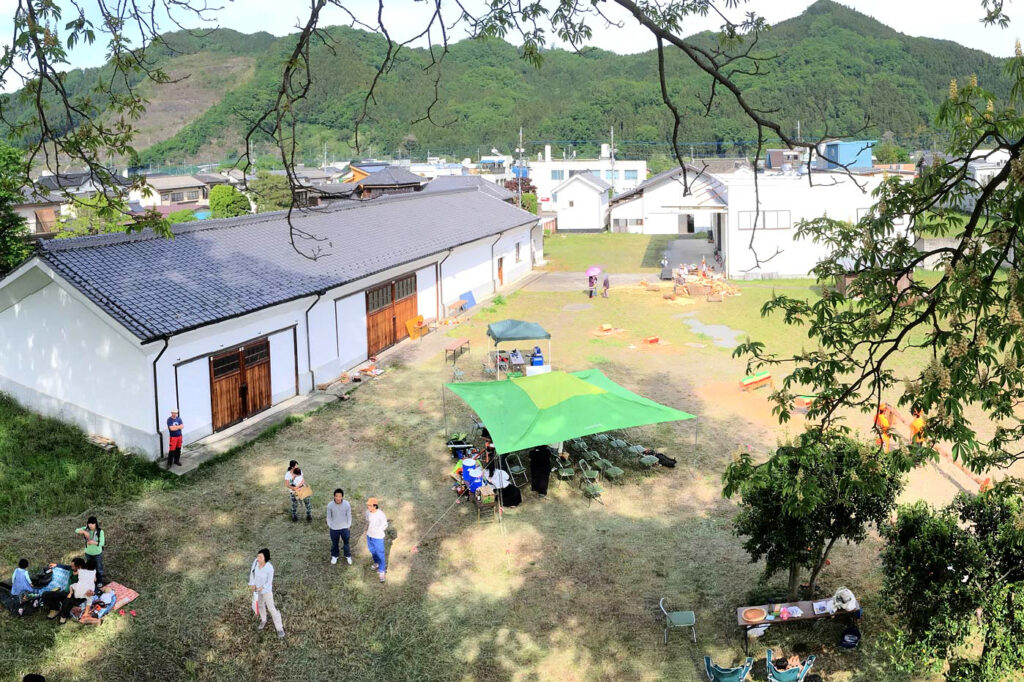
(517, 330)
(550, 408)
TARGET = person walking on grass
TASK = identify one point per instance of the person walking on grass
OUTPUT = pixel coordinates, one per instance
(605, 286)
(376, 524)
(339, 522)
(289, 476)
(174, 429)
(95, 539)
(261, 584)
(301, 491)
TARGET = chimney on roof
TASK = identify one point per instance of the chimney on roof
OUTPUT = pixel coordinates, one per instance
(547, 153)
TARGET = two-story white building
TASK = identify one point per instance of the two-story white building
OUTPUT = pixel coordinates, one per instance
(726, 204)
(581, 204)
(547, 173)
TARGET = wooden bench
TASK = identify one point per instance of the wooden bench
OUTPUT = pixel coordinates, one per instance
(456, 307)
(753, 381)
(455, 349)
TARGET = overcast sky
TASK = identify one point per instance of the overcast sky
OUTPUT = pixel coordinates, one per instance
(957, 20)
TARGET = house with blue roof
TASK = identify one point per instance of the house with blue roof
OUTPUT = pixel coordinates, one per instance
(233, 316)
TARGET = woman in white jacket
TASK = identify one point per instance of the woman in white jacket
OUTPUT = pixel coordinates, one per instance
(261, 584)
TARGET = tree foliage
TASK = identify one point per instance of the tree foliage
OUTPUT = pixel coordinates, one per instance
(954, 582)
(530, 202)
(14, 246)
(183, 216)
(227, 202)
(969, 321)
(823, 488)
(271, 192)
(101, 214)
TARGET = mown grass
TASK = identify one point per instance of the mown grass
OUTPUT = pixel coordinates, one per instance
(559, 590)
(615, 252)
(48, 468)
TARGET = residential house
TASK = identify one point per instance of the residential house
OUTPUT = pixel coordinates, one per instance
(777, 158)
(733, 209)
(390, 180)
(581, 203)
(662, 204)
(844, 154)
(623, 175)
(446, 183)
(364, 169)
(42, 210)
(227, 319)
(169, 193)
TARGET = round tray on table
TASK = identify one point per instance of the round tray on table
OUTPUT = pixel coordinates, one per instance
(754, 614)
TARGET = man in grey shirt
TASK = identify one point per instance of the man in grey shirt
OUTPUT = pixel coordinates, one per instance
(339, 520)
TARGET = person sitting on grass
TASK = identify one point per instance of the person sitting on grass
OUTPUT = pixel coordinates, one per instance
(83, 586)
(21, 583)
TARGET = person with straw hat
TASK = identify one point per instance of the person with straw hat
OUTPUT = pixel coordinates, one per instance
(376, 524)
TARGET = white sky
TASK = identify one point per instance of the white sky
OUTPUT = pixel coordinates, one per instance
(957, 20)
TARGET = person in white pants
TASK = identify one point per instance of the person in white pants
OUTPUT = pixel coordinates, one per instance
(261, 583)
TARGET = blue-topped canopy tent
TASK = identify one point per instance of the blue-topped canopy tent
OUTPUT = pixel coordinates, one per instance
(549, 408)
(518, 330)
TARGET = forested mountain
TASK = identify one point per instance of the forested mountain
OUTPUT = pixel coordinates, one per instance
(832, 64)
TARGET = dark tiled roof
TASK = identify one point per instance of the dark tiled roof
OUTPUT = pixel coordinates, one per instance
(71, 181)
(710, 165)
(449, 182)
(393, 176)
(218, 269)
(211, 179)
(334, 188)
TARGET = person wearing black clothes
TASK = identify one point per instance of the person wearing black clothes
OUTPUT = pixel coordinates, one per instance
(498, 476)
(540, 470)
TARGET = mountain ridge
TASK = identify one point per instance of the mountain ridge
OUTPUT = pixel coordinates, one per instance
(837, 71)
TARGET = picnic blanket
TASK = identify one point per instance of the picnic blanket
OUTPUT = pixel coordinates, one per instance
(124, 597)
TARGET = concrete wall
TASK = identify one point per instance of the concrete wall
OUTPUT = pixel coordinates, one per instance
(468, 268)
(587, 212)
(786, 200)
(61, 358)
(658, 209)
(540, 174)
(426, 292)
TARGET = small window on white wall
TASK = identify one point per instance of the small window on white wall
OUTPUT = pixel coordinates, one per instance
(570, 203)
(519, 256)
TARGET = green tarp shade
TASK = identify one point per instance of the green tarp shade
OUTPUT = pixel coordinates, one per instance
(549, 408)
(516, 330)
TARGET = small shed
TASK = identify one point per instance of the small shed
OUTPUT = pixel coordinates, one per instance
(518, 330)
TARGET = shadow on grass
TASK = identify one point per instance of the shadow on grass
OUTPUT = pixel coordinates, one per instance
(559, 589)
(656, 247)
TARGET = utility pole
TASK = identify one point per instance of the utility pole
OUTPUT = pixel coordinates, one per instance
(798, 131)
(517, 174)
(611, 153)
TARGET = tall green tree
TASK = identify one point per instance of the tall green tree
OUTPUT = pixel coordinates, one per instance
(272, 192)
(228, 202)
(954, 585)
(14, 246)
(823, 488)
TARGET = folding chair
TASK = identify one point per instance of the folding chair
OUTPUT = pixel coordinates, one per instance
(516, 470)
(790, 674)
(564, 469)
(719, 674)
(457, 374)
(678, 619)
(489, 370)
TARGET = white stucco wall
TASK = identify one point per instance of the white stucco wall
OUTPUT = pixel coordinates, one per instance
(60, 358)
(505, 249)
(468, 268)
(183, 371)
(352, 348)
(587, 212)
(833, 194)
(426, 292)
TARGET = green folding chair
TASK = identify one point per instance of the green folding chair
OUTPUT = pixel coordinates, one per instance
(678, 619)
(608, 469)
(719, 674)
(516, 470)
(564, 470)
(789, 674)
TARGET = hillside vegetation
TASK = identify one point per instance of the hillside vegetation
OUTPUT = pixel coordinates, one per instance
(832, 65)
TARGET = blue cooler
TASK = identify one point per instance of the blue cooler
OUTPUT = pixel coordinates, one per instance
(537, 360)
(474, 478)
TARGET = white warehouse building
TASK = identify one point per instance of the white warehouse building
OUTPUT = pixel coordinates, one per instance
(725, 204)
(227, 319)
(622, 174)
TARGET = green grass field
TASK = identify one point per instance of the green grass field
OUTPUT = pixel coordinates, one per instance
(615, 252)
(48, 468)
(560, 589)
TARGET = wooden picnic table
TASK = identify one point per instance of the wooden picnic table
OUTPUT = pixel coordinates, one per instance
(456, 348)
(455, 307)
(773, 617)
